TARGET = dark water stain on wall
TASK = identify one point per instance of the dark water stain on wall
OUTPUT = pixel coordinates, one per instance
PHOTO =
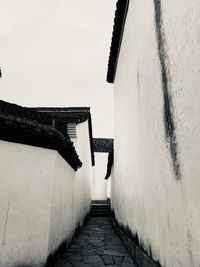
(54, 257)
(6, 223)
(139, 243)
(189, 236)
(166, 85)
(138, 83)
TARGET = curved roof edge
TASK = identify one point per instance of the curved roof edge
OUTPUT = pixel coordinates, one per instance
(26, 126)
(71, 114)
(118, 29)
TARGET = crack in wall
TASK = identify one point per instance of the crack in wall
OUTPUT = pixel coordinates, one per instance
(6, 223)
(138, 83)
(170, 131)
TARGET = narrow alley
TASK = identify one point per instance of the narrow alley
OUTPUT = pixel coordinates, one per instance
(99, 133)
(96, 245)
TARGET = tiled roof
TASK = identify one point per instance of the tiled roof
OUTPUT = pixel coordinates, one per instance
(69, 114)
(63, 115)
(29, 113)
(27, 126)
(118, 28)
(104, 145)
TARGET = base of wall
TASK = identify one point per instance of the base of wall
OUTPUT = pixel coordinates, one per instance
(139, 256)
(54, 257)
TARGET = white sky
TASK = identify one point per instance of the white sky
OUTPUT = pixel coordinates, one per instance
(55, 53)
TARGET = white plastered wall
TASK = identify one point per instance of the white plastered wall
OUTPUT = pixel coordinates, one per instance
(42, 201)
(82, 190)
(26, 179)
(61, 221)
(100, 184)
(146, 194)
(72, 196)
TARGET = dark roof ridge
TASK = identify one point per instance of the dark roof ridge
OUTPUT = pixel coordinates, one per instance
(26, 129)
(72, 115)
(62, 108)
(104, 145)
(76, 115)
(118, 29)
(29, 113)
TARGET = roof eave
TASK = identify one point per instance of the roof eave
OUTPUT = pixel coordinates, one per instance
(118, 30)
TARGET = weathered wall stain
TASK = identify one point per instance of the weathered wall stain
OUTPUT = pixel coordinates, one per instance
(138, 83)
(138, 79)
(166, 84)
(189, 236)
(5, 225)
(137, 241)
(3, 242)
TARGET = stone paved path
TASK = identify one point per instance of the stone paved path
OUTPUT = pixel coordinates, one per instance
(97, 245)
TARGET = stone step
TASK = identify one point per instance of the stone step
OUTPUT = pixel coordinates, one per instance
(100, 214)
(100, 210)
(100, 202)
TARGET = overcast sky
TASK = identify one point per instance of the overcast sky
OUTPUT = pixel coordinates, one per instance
(55, 53)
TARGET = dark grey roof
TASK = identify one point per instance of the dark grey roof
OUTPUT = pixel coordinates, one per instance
(118, 28)
(67, 114)
(63, 115)
(27, 126)
(104, 145)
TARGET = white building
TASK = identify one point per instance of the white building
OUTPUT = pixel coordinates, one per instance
(103, 147)
(154, 65)
(44, 198)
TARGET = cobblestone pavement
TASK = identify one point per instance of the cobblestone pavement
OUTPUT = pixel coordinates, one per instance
(96, 245)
